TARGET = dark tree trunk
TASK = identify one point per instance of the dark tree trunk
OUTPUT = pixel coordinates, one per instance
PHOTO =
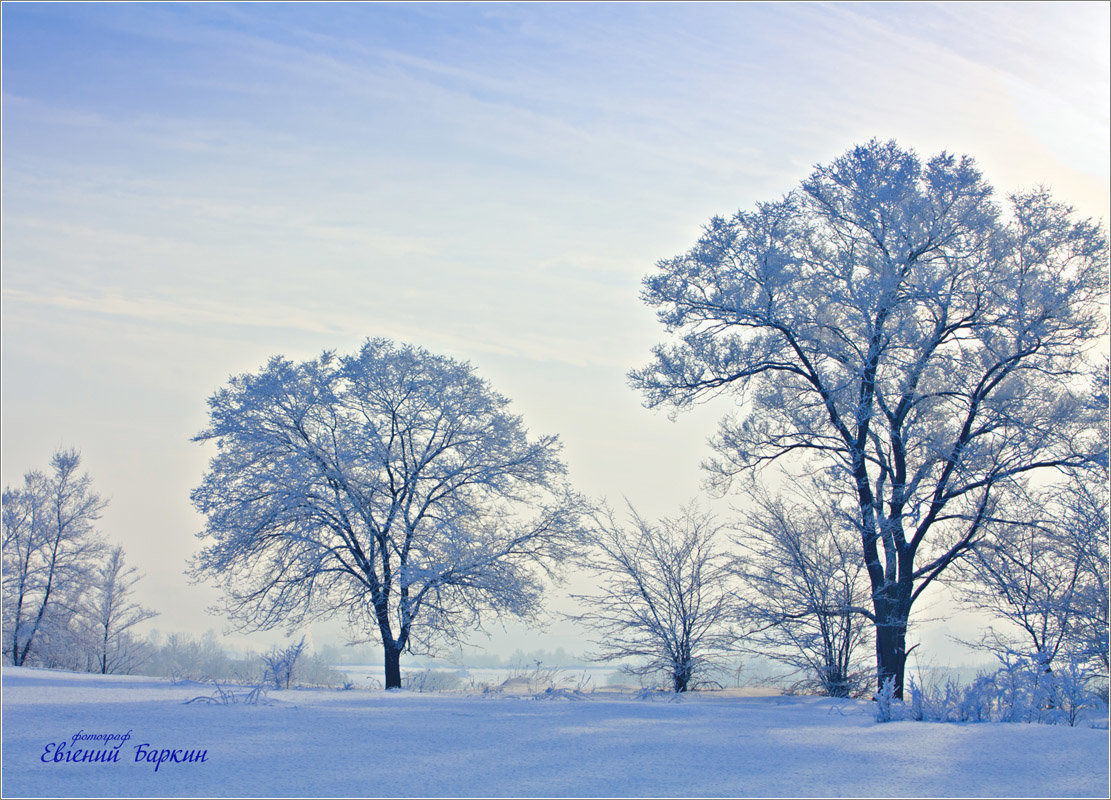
(835, 680)
(680, 679)
(19, 654)
(891, 644)
(17, 657)
(393, 667)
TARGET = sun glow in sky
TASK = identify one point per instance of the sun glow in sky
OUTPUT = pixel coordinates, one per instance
(189, 189)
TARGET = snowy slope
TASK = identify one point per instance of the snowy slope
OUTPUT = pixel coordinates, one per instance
(370, 743)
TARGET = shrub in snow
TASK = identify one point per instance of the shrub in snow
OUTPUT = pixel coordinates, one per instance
(1069, 696)
(281, 663)
(184, 658)
(431, 680)
(228, 695)
(541, 678)
(1023, 689)
(888, 708)
(551, 693)
(316, 670)
(951, 702)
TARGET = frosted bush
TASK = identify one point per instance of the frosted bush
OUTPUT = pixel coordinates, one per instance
(1023, 689)
(888, 708)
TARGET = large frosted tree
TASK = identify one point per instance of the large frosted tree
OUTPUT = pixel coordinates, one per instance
(392, 485)
(889, 322)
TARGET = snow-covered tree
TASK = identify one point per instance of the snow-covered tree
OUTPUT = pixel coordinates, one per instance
(1046, 574)
(50, 551)
(890, 323)
(804, 598)
(111, 613)
(662, 597)
(1086, 535)
(392, 485)
(1088, 531)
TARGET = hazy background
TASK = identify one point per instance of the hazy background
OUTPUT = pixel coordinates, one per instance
(190, 189)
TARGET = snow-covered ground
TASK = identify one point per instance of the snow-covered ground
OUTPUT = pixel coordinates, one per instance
(371, 743)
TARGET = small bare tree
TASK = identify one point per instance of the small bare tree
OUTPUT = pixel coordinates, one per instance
(663, 594)
(281, 663)
(1088, 533)
(49, 548)
(1087, 540)
(1045, 575)
(803, 597)
(112, 613)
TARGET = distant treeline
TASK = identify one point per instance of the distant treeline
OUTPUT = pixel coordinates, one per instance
(183, 657)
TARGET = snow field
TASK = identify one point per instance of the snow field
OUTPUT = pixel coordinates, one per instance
(322, 743)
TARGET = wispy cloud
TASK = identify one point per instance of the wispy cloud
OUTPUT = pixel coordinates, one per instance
(206, 316)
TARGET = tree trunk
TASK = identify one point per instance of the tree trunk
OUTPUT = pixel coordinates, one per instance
(680, 678)
(16, 660)
(393, 667)
(891, 647)
(17, 657)
(19, 654)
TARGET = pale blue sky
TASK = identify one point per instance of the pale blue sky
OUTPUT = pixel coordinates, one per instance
(191, 188)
